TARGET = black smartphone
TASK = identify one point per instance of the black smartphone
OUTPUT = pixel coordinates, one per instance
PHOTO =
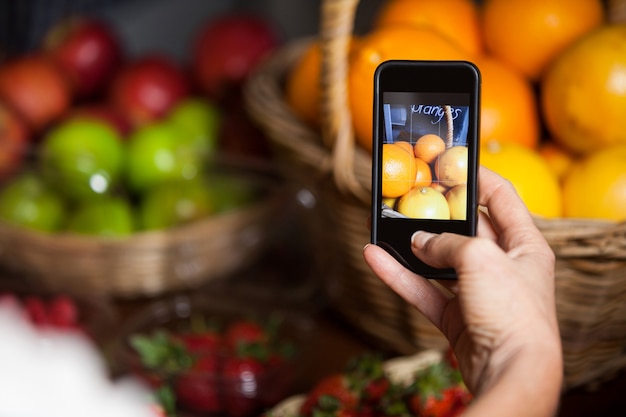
(425, 155)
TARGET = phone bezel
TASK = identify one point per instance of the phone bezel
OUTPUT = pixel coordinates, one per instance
(440, 77)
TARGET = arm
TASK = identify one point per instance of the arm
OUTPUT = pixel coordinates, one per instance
(500, 316)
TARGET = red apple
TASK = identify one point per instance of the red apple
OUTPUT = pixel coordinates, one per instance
(14, 140)
(148, 88)
(104, 112)
(35, 87)
(88, 50)
(227, 48)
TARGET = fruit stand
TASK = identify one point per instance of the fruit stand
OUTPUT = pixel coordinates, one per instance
(167, 206)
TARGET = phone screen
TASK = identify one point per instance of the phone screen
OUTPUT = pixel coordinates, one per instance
(433, 129)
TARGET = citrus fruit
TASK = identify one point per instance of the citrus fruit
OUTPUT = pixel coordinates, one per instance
(390, 202)
(457, 201)
(451, 166)
(428, 147)
(303, 84)
(596, 186)
(457, 20)
(559, 160)
(399, 170)
(302, 88)
(508, 104)
(424, 203)
(529, 34)
(424, 175)
(535, 183)
(382, 44)
(584, 108)
(406, 145)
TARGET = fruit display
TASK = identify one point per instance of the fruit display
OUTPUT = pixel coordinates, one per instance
(90, 136)
(214, 357)
(425, 384)
(530, 96)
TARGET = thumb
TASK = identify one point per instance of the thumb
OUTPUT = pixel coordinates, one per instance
(439, 250)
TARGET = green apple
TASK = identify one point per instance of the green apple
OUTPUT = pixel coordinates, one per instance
(159, 152)
(201, 119)
(174, 203)
(28, 202)
(82, 157)
(104, 216)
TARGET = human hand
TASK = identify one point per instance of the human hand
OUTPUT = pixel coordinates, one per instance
(499, 316)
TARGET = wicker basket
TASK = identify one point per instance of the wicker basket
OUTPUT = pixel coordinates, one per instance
(152, 262)
(591, 255)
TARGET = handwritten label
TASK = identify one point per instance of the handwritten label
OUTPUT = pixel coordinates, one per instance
(437, 111)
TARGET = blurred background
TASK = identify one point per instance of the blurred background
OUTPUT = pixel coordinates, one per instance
(161, 25)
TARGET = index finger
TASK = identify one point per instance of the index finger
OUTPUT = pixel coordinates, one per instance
(509, 216)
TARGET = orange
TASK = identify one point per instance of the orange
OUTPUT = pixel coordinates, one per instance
(423, 176)
(509, 111)
(596, 186)
(406, 145)
(391, 202)
(398, 170)
(424, 203)
(458, 20)
(451, 166)
(402, 42)
(559, 160)
(584, 92)
(535, 183)
(302, 87)
(457, 201)
(529, 34)
(428, 147)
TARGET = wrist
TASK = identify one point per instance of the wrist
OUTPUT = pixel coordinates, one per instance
(525, 383)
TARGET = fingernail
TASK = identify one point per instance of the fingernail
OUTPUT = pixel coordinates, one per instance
(366, 245)
(420, 238)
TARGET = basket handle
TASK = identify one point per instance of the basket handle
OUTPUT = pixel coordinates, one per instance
(337, 23)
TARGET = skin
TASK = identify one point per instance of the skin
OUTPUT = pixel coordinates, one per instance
(500, 315)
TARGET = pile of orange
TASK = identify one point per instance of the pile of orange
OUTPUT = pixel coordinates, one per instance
(425, 180)
(553, 92)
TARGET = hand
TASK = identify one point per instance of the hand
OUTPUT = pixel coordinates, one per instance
(499, 316)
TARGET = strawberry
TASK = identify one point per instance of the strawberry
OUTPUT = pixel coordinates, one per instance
(329, 406)
(244, 331)
(438, 392)
(159, 355)
(37, 311)
(367, 377)
(241, 381)
(63, 312)
(203, 336)
(197, 389)
(336, 386)
(203, 342)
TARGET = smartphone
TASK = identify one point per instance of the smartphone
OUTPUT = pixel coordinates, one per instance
(425, 155)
